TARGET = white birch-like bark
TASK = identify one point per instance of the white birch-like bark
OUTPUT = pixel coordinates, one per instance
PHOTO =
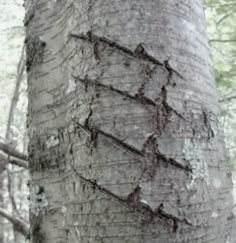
(125, 142)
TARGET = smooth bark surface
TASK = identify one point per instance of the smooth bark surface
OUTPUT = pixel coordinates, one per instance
(125, 142)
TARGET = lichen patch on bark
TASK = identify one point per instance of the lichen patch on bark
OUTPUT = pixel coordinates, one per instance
(193, 152)
(52, 141)
(38, 201)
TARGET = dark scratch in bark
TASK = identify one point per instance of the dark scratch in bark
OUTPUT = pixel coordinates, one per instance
(133, 203)
(175, 220)
(148, 71)
(118, 142)
(93, 39)
(96, 51)
(140, 155)
(171, 71)
(141, 99)
(162, 112)
(173, 162)
(139, 52)
(152, 156)
(86, 123)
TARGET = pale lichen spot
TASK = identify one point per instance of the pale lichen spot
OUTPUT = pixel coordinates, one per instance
(52, 141)
(228, 240)
(214, 215)
(234, 211)
(71, 128)
(64, 209)
(188, 25)
(233, 192)
(76, 223)
(217, 183)
(38, 200)
(71, 86)
(193, 153)
(77, 232)
(146, 190)
(63, 223)
(188, 94)
(146, 187)
(214, 127)
(144, 201)
(51, 4)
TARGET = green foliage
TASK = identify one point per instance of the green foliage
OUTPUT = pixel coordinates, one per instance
(221, 23)
(221, 19)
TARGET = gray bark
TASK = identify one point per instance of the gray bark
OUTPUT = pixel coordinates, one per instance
(125, 142)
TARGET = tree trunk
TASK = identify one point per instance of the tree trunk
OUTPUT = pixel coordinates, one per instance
(125, 141)
(2, 190)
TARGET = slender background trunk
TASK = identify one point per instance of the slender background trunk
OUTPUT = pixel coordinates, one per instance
(2, 204)
(125, 142)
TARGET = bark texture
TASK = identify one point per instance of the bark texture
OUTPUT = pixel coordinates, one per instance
(125, 142)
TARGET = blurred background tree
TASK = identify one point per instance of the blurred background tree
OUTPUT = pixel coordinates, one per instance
(13, 192)
(221, 23)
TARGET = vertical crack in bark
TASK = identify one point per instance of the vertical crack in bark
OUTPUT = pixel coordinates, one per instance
(87, 120)
(152, 156)
(150, 160)
(35, 232)
(148, 73)
(171, 71)
(90, 5)
(207, 124)
(163, 112)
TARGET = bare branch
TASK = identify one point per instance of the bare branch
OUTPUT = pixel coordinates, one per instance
(222, 40)
(227, 99)
(12, 151)
(19, 77)
(18, 162)
(224, 18)
(14, 161)
(8, 136)
(19, 224)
